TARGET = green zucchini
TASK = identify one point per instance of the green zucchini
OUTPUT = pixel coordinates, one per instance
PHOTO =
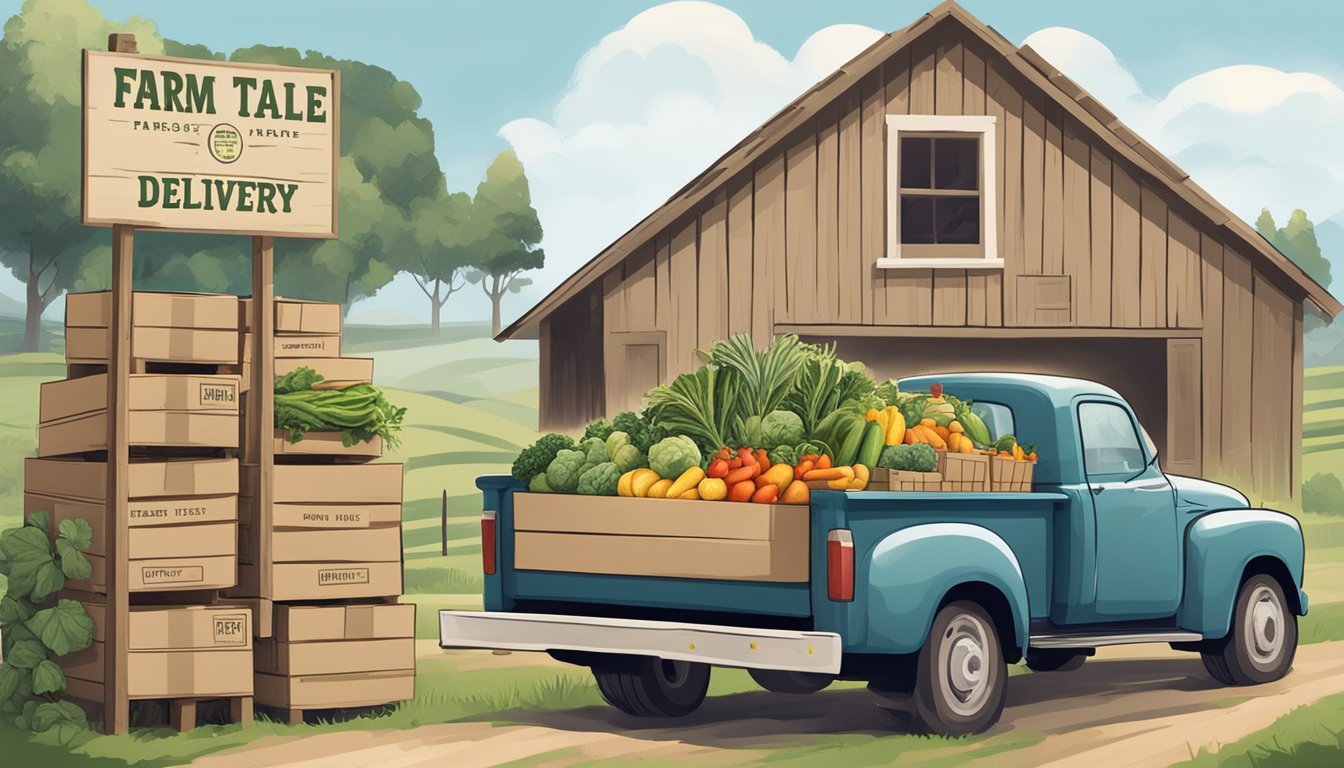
(870, 445)
(849, 449)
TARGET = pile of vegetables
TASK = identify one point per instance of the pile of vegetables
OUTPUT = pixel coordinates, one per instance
(359, 412)
(761, 425)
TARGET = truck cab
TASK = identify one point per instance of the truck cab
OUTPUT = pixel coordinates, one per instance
(928, 595)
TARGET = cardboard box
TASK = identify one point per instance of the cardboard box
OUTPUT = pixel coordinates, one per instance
(167, 481)
(306, 623)
(155, 309)
(660, 537)
(297, 316)
(327, 444)
(324, 581)
(1010, 476)
(378, 483)
(157, 529)
(169, 574)
(350, 545)
(884, 479)
(165, 327)
(188, 651)
(322, 515)
(335, 657)
(166, 410)
(964, 471)
(306, 345)
(351, 370)
(360, 689)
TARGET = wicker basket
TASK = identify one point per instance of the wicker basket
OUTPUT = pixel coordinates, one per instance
(964, 471)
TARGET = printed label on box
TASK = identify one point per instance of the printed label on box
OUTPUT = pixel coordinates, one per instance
(180, 574)
(167, 510)
(230, 629)
(335, 576)
(218, 393)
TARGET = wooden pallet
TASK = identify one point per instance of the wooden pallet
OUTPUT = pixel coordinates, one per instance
(182, 712)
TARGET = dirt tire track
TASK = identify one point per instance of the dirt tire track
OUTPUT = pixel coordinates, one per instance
(1135, 706)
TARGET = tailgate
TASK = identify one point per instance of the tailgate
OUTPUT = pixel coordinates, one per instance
(656, 553)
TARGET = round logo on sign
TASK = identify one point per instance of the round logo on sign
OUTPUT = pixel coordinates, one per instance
(225, 143)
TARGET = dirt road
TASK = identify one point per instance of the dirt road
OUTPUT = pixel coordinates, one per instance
(1143, 706)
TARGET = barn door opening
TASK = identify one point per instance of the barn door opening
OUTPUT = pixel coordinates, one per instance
(1184, 449)
(636, 362)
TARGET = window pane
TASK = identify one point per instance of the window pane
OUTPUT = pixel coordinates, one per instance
(958, 220)
(915, 168)
(998, 418)
(916, 219)
(1110, 444)
(956, 164)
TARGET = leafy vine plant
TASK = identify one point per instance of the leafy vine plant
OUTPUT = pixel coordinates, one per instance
(39, 627)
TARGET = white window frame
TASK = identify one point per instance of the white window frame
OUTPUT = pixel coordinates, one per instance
(985, 125)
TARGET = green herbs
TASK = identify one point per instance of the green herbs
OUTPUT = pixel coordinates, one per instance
(825, 385)
(536, 457)
(360, 412)
(703, 405)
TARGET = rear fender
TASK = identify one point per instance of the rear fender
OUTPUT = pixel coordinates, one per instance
(1218, 548)
(911, 571)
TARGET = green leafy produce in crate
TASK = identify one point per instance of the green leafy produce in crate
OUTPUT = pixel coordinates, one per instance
(359, 412)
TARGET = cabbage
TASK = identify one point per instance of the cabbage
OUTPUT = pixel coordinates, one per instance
(780, 428)
(671, 456)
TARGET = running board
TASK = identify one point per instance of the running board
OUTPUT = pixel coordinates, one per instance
(1096, 641)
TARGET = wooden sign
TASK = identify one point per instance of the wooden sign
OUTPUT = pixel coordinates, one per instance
(210, 146)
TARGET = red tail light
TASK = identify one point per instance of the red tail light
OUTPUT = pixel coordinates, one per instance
(840, 565)
(488, 542)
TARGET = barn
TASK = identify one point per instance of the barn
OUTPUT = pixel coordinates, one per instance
(948, 201)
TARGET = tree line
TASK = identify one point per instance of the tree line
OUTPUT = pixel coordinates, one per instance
(396, 213)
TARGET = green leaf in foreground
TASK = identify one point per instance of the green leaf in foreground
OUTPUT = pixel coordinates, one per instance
(56, 713)
(73, 562)
(15, 685)
(13, 611)
(26, 654)
(64, 627)
(48, 678)
(68, 735)
(26, 545)
(78, 531)
(47, 581)
(41, 520)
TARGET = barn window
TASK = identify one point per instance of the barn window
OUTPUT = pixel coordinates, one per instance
(941, 192)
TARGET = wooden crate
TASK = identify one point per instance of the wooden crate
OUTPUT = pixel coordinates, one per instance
(1009, 475)
(884, 479)
(964, 471)
(675, 538)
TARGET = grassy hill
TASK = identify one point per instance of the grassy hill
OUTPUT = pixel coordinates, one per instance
(1323, 421)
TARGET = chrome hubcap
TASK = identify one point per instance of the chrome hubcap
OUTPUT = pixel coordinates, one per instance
(963, 666)
(1264, 626)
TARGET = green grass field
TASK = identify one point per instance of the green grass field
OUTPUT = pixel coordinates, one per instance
(471, 407)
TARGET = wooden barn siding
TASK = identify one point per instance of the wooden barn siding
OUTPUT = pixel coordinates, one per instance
(793, 240)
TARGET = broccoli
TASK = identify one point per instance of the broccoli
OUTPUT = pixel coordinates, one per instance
(594, 450)
(599, 428)
(625, 455)
(643, 433)
(600, 480)
(536, 457)
(919, 457)
(539, 484)
(563, 473)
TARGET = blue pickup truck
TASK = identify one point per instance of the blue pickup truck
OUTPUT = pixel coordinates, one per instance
(927, 596)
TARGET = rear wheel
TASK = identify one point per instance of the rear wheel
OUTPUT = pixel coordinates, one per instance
(1263, 639)
(644, 686)
(960, 675)
(1055, 660)
(788, 681)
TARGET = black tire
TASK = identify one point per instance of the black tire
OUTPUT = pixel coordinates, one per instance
(960, 675)
(1055, 660)
(644, 686)
(788, 681)
(1263, 639)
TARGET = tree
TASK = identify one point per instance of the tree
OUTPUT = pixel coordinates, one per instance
(1297, 241)
(512, 233)
(41, 239)
(441, 249)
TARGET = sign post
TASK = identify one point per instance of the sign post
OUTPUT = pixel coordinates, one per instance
(198, 146)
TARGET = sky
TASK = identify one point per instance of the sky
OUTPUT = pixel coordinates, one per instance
(614, 105)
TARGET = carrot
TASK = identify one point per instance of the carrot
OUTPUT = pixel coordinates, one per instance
(834, 473)
(717, 468)
(739, 475)
(742, 491)
(803, 468)
(724, 454)
(766, 494)
(824, 461)
(734, 463)
(763, 459)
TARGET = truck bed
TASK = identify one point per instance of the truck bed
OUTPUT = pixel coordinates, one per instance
(795, 601)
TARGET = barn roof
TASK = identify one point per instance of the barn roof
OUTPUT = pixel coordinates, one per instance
(1031, 65)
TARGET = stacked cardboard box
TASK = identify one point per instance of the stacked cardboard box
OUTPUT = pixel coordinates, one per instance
(183, 397)
(334, 536)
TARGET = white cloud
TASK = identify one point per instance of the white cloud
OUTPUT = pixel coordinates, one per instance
(1253, 136)
(650, 106)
